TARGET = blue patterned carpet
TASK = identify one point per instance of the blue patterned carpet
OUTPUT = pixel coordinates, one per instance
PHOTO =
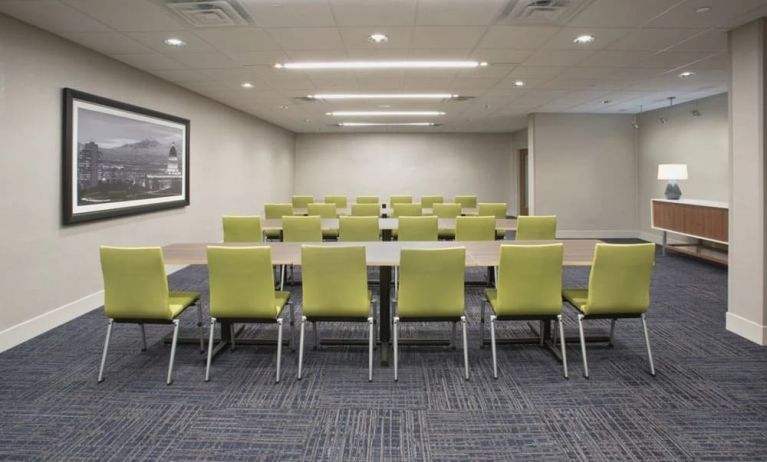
(708, 401)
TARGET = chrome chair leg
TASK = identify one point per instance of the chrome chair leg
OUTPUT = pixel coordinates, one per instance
(647, 341)
(562, 344)
(106, 348)
(612, 331)
(282, 277)
(172, 352)
(465, 348)
(583, 347)
(371, 340)
(301, 347)
(199, 325)
(292, 327)
(279, 348)
(210, 348)
(143, 337)
(395, 338)
(492, 345)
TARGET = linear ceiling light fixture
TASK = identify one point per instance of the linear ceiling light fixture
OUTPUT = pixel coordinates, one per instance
(383, 113)
(328, 96)
(306, 66)
(386, 124)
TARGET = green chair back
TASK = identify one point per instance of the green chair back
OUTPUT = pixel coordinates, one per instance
(406, 210)
(536, 228)
(530, 280)
(241, 282)
(358, 229)
(468, 202)
(449, 210)
(475, 228)
(367, 200)
(400, 200)
(323, 210)
(335, 282)
(278, 210)
(495, 209)
(302, 202)
(242, 229)
(428, 202)
(620, 279)
(366, 210)
(135, 284)
(417, 228)
(302, 229)
(431, 283)
(340, 201)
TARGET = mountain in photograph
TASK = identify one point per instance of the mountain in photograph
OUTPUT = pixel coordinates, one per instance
(140, 149)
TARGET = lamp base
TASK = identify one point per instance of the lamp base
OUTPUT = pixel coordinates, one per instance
(673, 193)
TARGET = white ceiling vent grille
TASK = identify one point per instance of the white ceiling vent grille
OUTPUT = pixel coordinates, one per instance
(211, 13)
(541, 11)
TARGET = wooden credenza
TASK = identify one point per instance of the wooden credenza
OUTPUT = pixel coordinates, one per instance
(698, 219)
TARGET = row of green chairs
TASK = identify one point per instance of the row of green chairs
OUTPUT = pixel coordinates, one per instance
(336, 289)
(303, 201)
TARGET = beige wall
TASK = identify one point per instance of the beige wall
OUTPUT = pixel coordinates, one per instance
(584, 171)
(238, 162)
(404, 163)
(700, 142)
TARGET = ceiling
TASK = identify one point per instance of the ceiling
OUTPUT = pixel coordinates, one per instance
(641, 46)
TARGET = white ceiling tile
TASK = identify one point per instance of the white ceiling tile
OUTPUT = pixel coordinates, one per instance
(149, 61)
(130, 16)
(307, 38)
(155, 41)
(446, 36)
(536, 72)
(611, 58)
(721, 14)
(238, 38)
(587, 73)
(712, 40)
(186, 75)
(621, 13)
(289, 13)
(51, 15)
(500, 56)
(653, 39)
(380, 84)
(357, 37)
(377, 53)
(338, 54)
(517, 37)
(204, 60)
(107, 42)
(438, 53)
(458, 12)
(249, 58)
(673, 59)
(558, 57)
(564, 39)
(374, 12)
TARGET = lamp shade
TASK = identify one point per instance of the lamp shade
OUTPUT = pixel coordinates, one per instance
(672, 171)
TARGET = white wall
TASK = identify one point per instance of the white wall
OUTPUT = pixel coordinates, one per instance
(584, 171)
(700, 142)
(237, 161)
(404, 163)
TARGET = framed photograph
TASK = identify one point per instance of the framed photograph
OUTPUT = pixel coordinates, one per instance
(121, 159)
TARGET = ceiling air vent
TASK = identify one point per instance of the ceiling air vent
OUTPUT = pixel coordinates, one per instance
(210, 13)
(541, 11)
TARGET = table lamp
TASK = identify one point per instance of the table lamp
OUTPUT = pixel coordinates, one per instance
(672, 173)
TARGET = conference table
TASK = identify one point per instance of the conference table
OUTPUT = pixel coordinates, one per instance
(385, 255)
(385, 211)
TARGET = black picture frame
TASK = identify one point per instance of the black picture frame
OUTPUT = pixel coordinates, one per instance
(122, 185)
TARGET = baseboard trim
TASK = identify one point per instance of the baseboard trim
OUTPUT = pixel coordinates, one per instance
(746, 328)
(596, 234)
(658, 238)
(31, 328)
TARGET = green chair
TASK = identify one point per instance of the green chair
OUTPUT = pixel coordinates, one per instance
(449, 210)
(428, 202)
(326, 211)
(400, 200)
(302, 202)
(359, 229)
(536, 228)
(340, 201)
(406, 210)
(367, 200)
(529, 289)
(242, 291)
(242, 229)
(496, 209)
(619, 287)
(431, 289)
(467, 202)
(274, 211)
(475, 228)
(136, 292)
(335, 289)
(366, 210)
(299, 229)
(417, 228)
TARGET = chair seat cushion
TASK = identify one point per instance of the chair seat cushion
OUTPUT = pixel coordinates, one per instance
(179, 301)
(577, 298)
(492, 297)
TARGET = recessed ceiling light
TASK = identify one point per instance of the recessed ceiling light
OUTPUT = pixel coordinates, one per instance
(380, 65)
(328, 96)
(519, 83)
(686, 74)
(283, 106)
(246, 85)
(174, 42)
(607, 101)
(386, 124)
(384, 113)
(378, 38)
(703, 9)
(584, 39)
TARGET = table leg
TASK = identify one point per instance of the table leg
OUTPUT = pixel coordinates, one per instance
(665, 242)
(384, 313)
